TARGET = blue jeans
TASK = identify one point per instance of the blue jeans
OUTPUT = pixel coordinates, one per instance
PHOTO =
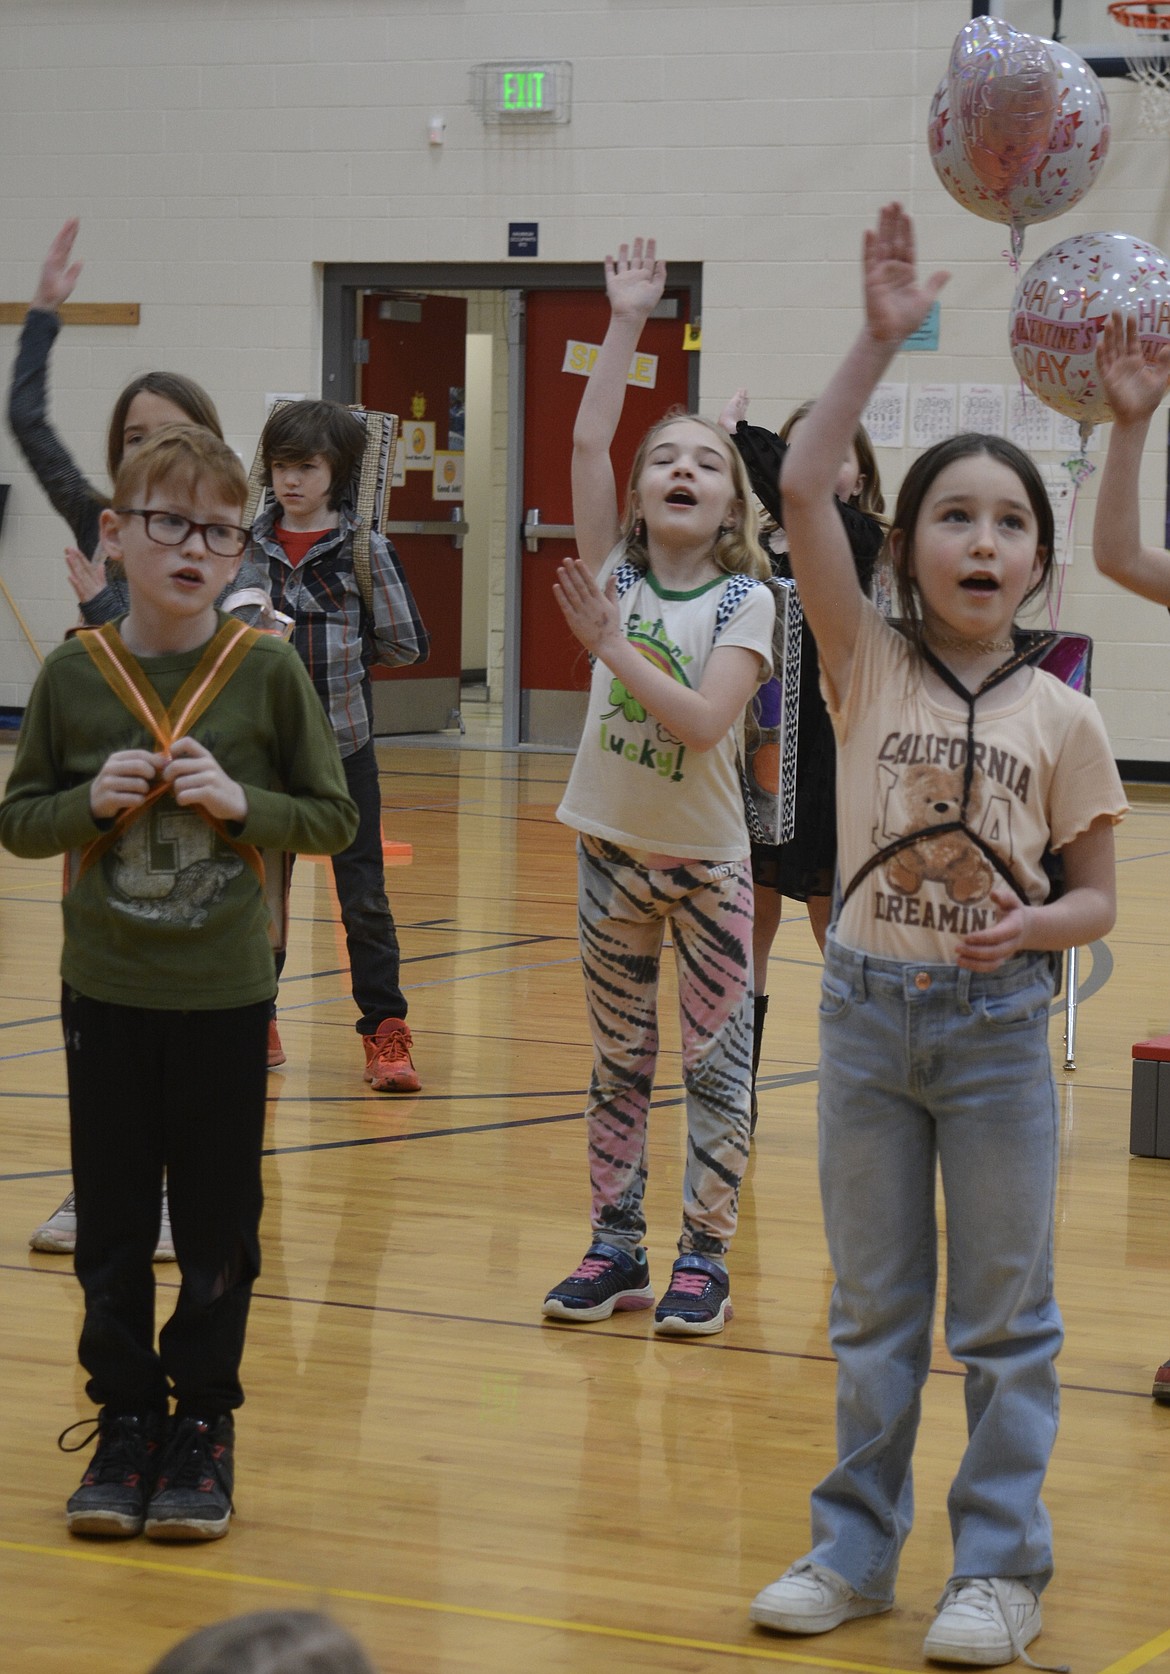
(922, 1064)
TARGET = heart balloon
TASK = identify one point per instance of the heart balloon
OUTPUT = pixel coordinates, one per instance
(1067, 165)
(1004, 93)
(1061, 305)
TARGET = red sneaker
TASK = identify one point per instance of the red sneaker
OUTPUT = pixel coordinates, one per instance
(276, 1052)
(388, 1063)
(1161, 1389)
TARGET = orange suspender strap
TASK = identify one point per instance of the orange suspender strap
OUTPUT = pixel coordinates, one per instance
(124, 675)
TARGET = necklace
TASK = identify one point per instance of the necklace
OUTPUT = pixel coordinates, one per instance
(957, 642)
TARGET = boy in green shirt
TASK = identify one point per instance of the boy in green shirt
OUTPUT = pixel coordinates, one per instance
(163, 754)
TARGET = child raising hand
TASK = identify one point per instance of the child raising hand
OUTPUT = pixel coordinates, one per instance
(665, 596)
(935, 997)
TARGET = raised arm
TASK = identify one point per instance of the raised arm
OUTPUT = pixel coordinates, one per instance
(1135, 389)
(634, 284)
(76, 499)
(896, 303)
(71, 493)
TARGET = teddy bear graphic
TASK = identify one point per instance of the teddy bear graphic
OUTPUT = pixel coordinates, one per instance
(933, 796)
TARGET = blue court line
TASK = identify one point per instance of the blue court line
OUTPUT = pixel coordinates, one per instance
(722, 1345)
(336, 999)
(497, 778)
(422, 958)
(1099, 974)
(767, 1083)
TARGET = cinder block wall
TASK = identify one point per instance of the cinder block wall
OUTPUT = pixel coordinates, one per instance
(218, 155)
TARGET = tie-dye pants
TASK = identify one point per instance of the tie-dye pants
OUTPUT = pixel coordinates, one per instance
(624, 907)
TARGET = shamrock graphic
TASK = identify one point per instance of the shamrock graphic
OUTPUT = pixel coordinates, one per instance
(621, 699)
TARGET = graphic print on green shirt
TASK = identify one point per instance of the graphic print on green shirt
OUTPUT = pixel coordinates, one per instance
(170, 868)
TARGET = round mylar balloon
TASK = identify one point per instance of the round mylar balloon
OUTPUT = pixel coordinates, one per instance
(1061, 305)
(1059, 177)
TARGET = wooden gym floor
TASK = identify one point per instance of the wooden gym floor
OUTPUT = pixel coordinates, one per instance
(466, 1488)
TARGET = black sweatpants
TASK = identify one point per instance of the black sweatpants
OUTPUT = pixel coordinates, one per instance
(359, 872)
(180, 1091)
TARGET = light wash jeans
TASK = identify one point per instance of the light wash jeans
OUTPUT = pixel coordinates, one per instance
(926, 1063)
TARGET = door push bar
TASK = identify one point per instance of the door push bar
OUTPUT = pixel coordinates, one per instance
(534, 531)
(455, 527)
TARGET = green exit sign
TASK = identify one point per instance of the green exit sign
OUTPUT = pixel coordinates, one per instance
(520, 92)
(524, 90)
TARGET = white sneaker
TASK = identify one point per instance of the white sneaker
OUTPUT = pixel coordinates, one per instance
(811, 1599)
(983, 1623)
(58, 1235)
(164, 1250)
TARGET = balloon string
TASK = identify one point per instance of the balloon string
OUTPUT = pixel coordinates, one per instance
(1054, 605)
(1012, 260)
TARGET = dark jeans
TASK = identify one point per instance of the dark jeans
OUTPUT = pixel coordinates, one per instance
(182, 1091)
(360, 875)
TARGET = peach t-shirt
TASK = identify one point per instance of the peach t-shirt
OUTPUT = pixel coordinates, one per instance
(1044, 772)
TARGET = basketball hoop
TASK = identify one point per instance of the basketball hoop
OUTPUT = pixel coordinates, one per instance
(1145, 25)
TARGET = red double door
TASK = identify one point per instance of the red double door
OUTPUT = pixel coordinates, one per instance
(562, 327)
(416, 368)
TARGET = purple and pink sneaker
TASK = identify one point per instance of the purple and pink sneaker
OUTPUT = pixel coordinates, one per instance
(607, 1278)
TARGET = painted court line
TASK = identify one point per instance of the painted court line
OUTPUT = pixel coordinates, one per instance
(1141, 1657)
(549, 1327)
(314, 1590)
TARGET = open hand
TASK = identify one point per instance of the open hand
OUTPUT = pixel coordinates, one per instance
(986, 950)
(896, 303)
(197, 779)
(123, 781)
(87, 576)
(634, 283)
(591, 614)
(735, 411)
(58, 275)
(1134, 386)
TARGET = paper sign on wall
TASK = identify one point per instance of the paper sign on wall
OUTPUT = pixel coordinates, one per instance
(982, 407)
(1066, 435)
(885, 416)
(418, 441)
(398, 469)
(579, 358)
(1029, 421)
(932, 413)
(926, 336)
(447, 482)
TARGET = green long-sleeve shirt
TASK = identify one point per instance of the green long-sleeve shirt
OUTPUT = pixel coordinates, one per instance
(171, 917)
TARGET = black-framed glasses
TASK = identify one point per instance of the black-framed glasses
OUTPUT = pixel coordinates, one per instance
(226, 540)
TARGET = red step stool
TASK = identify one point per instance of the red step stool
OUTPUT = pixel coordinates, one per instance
(1149, 1106)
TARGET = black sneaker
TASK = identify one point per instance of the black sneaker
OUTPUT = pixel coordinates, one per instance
(697, 1303)
(607, 1278)
(192, 1499)
(114, 1491)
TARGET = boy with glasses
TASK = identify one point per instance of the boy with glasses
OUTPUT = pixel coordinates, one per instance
(163, 754)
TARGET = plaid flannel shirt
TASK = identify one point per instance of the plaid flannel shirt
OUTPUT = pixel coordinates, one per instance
(336, 638)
